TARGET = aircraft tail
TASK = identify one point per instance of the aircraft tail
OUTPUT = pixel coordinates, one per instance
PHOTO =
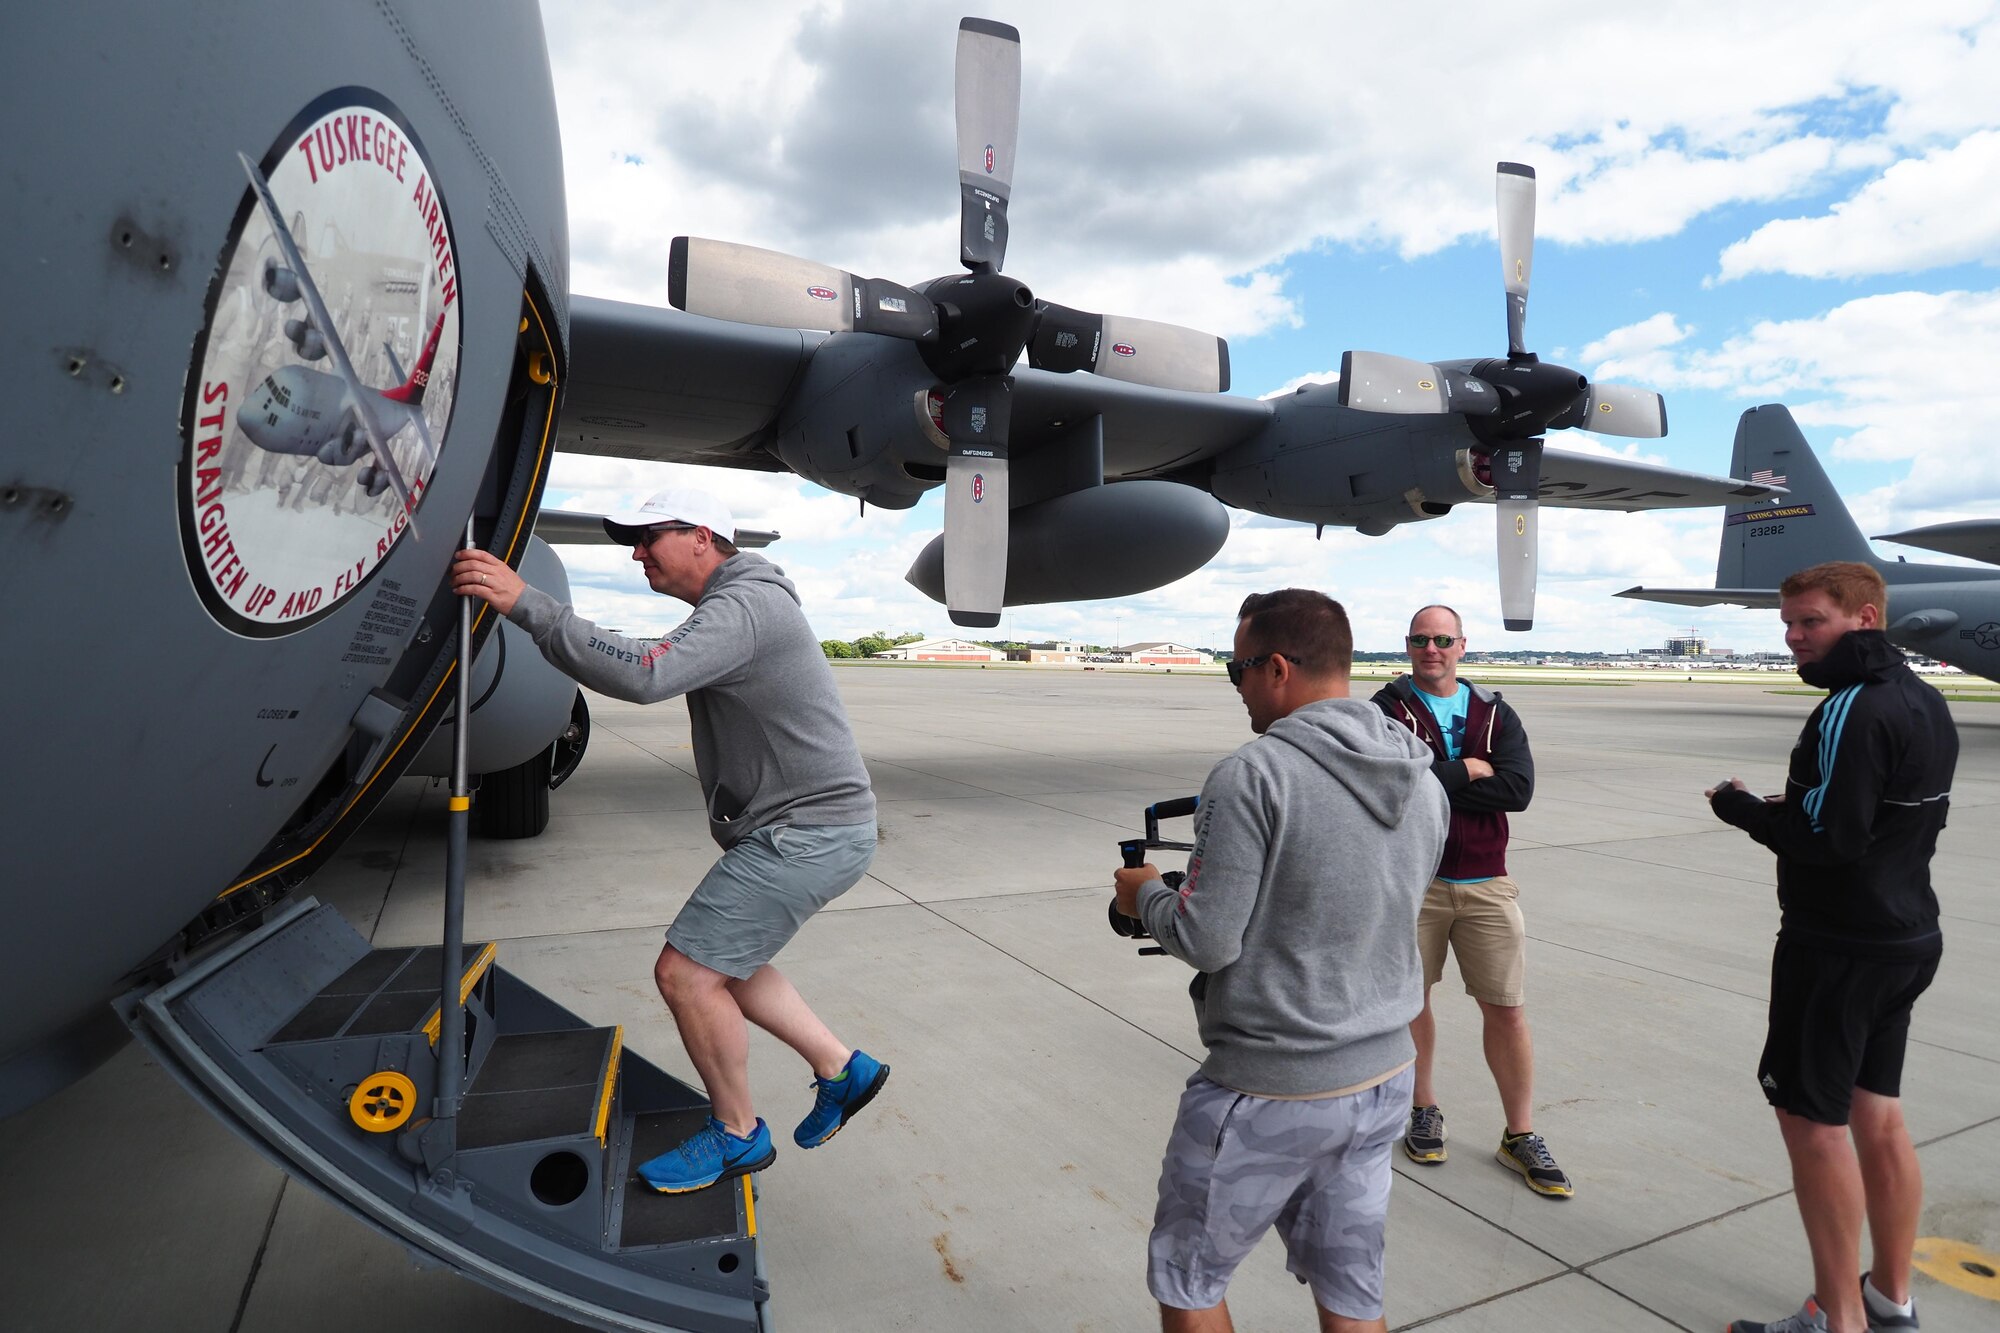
(1765, 541)
(411, 390)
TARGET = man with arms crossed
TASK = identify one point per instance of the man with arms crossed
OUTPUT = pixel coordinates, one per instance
(788, 801)
(1312, 847)
(1865, 798)
(1480, 756)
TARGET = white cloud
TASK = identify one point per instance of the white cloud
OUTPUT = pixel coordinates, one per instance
(1900, 373)
(1921, 213)
(1179, 167)
(1170, 162)
(1297, 382)
(1622, 347)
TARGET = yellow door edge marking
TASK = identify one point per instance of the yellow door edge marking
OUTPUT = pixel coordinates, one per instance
(749, 1210)
(435, 1023)
(1959, 1266)
(610, 1082)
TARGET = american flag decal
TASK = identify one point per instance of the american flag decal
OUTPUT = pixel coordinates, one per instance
(1766, 477)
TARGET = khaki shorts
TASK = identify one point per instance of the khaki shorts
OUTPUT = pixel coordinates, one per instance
(1481, 921)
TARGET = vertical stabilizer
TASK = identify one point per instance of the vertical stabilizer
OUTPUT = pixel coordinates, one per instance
(1764, 541)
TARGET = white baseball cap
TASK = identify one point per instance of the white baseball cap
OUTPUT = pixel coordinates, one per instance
(677, 505)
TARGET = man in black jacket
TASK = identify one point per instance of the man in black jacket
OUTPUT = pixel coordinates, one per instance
(1858, 940)
(1481, 758)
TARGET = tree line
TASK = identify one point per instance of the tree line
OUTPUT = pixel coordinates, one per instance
(867, 645)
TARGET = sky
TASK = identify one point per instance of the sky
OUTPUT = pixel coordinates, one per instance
(1786, 202)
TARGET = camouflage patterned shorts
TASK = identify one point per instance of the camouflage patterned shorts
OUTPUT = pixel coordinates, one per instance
(1237, 1165)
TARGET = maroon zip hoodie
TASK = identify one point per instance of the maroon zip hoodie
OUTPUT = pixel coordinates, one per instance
(1477, 845)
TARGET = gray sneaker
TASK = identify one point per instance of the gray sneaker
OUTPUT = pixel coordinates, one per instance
(1527, 1154)
(1879, 1322)
(1809, 1319)
(1424, 1141)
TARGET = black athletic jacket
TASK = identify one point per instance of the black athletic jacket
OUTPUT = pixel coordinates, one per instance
(1867, 794)
(1477, 847)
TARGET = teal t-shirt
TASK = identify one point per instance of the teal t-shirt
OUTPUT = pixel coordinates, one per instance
(1450, 714)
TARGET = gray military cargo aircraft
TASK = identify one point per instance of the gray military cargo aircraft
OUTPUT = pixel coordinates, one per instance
(239, 648)
(1949, 612)
(915, 387)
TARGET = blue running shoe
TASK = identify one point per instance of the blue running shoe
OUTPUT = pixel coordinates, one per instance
(840, 1097)
(710, 1154)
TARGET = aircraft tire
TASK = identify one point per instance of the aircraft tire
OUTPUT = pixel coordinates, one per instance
(514, 802)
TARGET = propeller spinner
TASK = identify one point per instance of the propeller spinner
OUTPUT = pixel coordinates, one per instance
(970, 328)
(1508, 402)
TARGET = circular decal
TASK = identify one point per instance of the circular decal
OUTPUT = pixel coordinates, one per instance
(322, 384)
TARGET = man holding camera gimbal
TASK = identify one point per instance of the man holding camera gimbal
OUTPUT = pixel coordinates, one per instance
(1313, 846)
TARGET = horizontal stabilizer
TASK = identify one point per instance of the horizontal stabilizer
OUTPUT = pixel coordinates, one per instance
(1754, 597)
(1975, 539)
(1572, 479)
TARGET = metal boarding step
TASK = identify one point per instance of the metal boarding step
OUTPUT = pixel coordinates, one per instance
(321, 1052)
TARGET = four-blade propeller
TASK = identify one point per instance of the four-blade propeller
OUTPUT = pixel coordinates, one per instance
(970, 328)
(1508, 402)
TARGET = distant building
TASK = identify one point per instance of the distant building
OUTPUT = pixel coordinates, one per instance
(1163, 654)
(1687, 647)
(943, 650)
(1055, 650)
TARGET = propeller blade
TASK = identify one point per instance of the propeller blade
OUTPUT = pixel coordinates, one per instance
(1517, 480)
(989, 123)
(1515, 187)
(1378, 382)
(1138, 351)
(976, 415)
(752, 286)
(1622, 409)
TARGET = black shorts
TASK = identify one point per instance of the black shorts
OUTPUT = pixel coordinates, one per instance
(1837, 1023)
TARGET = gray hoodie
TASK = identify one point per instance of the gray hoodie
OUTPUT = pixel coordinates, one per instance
(1313, 847)
(771, 741)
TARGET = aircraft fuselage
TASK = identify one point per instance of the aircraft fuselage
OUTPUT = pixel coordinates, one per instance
(295, 410)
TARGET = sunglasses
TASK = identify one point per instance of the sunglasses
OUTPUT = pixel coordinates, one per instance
(1236, 667)
(648, 536)
(1441, 640)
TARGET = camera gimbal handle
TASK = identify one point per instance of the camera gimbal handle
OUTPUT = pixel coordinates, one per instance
(1134, 851)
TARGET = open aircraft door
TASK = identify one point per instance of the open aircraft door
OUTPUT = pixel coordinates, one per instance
(297, 327)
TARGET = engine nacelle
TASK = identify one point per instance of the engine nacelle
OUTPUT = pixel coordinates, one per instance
(280, 282)
(856, 425)
(1318, 462)
(1107, 541)
(306, 339)
(520, 703)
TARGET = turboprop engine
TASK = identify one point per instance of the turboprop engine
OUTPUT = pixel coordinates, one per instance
(530, 722)
(1104, 541)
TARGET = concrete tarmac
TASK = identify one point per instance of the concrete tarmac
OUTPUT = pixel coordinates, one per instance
(1005, 1178)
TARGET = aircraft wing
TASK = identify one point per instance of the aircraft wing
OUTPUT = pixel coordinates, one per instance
(568, 527)
(1574, 480)
(1147, 431)
(1975, 539)
(1757, 597)
(659, 384)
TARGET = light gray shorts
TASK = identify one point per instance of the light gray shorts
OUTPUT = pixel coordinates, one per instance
(752, 901)
(1318, 1170)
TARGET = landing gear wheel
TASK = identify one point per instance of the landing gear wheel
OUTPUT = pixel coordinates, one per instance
(514, 802)
(383, 1101)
